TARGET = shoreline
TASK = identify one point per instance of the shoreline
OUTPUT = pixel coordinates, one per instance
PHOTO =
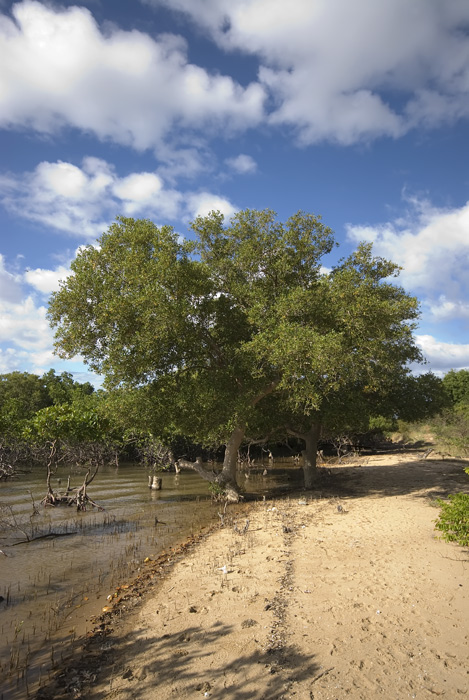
(343, 593)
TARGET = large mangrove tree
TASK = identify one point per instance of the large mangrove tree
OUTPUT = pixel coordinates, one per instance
(238, 332)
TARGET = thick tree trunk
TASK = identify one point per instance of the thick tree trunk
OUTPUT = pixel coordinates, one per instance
(227, 478)
(310, 452)
(311, 439)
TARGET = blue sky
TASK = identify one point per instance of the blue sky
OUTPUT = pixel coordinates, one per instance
(166, 109)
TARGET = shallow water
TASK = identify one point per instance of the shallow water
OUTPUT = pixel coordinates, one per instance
(51, 587)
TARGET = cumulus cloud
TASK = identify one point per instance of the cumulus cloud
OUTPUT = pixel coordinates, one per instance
(26, 339)
(242, 164)
(12, 360)
(444, 309)
(46, 281)
(59, 68)
(138, 187)
(202, 203)
(334, 69)
(432, 247)
(337, 71)
(62, 196)
(25, 336)
(443, 356)
(10, 285)
(84, 200)
(26, 324)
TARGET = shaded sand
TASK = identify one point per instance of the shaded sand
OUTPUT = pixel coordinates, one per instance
(346, 593)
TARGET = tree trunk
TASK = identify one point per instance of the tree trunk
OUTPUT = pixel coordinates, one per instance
(227, 477)
(310, 452)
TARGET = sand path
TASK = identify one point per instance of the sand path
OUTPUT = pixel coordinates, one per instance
(347, 594)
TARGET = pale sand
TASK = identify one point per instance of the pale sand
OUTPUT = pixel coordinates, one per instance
(346, 593)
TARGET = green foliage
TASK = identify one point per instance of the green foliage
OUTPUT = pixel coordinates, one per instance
(79, 421)
(456, 384)
(238, 330)
(452, 429)
(217, 491)
(382, 424)
(22, 395)
(418, 398)
(453, 521)
(61, 388)
(408, 432)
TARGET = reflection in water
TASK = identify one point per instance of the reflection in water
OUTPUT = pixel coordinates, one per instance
(52, 586)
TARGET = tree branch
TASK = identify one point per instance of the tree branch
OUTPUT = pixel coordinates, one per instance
(199, 468)
(265, 392)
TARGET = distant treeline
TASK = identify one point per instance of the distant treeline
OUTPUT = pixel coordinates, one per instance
(88, 426)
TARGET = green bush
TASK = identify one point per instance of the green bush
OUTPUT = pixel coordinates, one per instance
(453, 521)
(451, 429)
(381, 424)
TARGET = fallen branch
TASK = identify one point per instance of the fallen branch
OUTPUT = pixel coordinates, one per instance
(324, 673)
(50, 535)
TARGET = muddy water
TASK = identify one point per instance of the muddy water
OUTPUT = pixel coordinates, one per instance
(57, 566)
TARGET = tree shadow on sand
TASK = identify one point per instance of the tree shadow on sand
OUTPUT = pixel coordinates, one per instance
(425, 478)
(195, 661)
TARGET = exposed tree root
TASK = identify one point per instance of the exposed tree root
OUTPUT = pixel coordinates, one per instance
(72, 497)
(80, 500)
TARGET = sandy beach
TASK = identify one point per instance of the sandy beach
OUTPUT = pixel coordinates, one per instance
(345, 592)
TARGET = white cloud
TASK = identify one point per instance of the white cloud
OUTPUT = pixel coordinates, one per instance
(46, 281)
(59, 68)
(25, 324)
(10, 286)
(202, 203)
(445, 310)
(443, 356)
(63, 179)
(26, 339)
(432, 247)
(12, 360)
(180, 161)
(242, 164)
(333, 68)
(140, 192)
(84, 201)
(139, 187)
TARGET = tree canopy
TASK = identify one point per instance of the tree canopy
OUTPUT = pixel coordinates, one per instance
(23, 394)
(239, 332)
(456, 384)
